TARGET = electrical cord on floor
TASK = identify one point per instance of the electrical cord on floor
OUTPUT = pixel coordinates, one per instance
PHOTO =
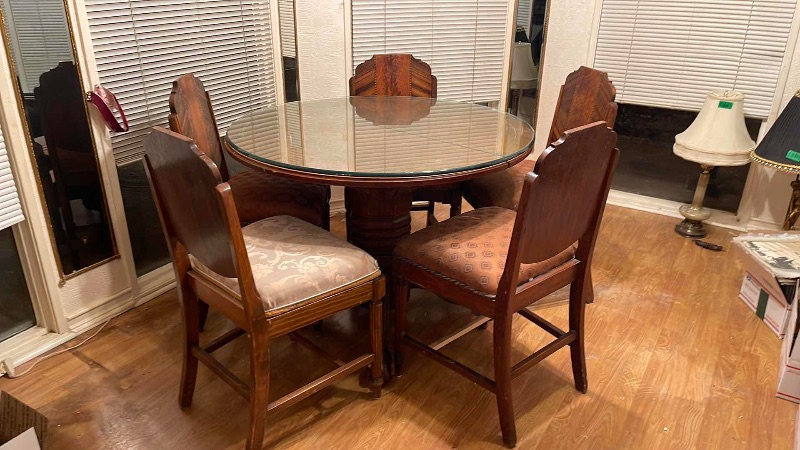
(11, 370)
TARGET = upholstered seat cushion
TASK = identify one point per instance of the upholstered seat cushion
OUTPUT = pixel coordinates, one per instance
(498, 189)
(259, 195)
(471, 249)
(295, 262)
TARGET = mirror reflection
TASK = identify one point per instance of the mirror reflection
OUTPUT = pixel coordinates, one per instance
(526, 55)
(289, 49)
(55, 111)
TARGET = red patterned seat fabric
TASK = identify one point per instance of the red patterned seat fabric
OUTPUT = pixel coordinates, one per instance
(472, 249)
(259, 195)
(498, 189)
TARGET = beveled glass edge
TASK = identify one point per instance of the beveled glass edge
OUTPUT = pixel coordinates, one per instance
(348, 173)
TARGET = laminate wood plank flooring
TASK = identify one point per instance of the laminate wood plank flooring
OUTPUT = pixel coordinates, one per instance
(675, 361)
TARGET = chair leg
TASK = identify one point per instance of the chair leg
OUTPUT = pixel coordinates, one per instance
(431, 213)
(455, 203)
(326, 217)
(588, 291)
(191, 329)
(577, 309)
(259, 392)
(502, 379)
(376, 342)
(401, 293)
(202, 313)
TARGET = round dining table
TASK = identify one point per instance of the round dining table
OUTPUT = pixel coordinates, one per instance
(380, 149)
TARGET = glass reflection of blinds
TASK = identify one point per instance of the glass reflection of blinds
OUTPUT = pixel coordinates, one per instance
(524, 14)
(462, 40)
(431, 142)
(669, 54)
(141, 46)
(10, 209)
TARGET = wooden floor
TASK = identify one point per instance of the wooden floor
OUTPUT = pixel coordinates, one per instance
(675, 361)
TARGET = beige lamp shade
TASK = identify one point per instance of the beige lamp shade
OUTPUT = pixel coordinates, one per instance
(523, 73)
(718, 136)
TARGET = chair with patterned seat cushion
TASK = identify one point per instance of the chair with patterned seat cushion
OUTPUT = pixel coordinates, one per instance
(402, 75)
(586, 96)
(257, 194)
(497, 262)
(270, 278)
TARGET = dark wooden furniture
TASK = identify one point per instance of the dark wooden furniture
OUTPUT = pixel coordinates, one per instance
(400, 74)
(586, 96)
(380, 166)
(497, 262)
(257, 194)
(246, 274)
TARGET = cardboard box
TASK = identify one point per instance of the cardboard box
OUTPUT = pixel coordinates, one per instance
(774, 310)
(789, 366)
(772, 264)
(21, 427)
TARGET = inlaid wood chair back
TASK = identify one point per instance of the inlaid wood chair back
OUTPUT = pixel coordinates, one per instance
(257, 194)
(191, 115)
(402, 75)
(498, 262)
(191, 217)
(396, 74)
(215, 259)
(586, 96)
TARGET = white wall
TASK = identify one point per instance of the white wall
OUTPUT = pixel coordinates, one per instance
(569, 36)
(324, 67)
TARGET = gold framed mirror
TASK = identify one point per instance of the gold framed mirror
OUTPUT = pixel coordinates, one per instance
(40, 47)
(288, 30)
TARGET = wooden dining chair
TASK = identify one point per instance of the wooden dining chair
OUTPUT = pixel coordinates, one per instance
(270, 278)
(586, 96)
(400, 74)
(257, 194)
(497, 262)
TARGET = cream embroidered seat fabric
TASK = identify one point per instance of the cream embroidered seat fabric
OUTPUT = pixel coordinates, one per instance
(295, 262)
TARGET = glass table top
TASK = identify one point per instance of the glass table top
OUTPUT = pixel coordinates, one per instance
(379, 136)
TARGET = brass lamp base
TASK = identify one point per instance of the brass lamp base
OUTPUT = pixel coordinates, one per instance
(794, 206)
(695, 214)
(691, 229)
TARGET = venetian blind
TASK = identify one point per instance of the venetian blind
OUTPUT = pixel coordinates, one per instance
(462, 40)
(40, 38)
(10, 210)
(524, 14)
(286, 13)
(671, 53)
(141, 46)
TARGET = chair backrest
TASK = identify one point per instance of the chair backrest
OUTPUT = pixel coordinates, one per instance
(184, 182)
(563, 198)
(191, 115)
(586, 97)
(395, 74)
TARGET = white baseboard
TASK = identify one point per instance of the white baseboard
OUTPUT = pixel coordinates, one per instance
(669, 208)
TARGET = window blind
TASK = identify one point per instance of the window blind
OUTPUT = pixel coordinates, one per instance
(141, 46)
(10, 210)
(39, 38)
(462, 40)
(524, 14)
(286, 13)
(670, 54)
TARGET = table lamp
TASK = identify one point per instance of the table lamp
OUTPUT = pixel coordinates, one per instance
(717, 137)
(780, 149)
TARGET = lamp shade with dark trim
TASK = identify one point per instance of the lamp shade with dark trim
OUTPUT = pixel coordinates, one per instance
(780, 148)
